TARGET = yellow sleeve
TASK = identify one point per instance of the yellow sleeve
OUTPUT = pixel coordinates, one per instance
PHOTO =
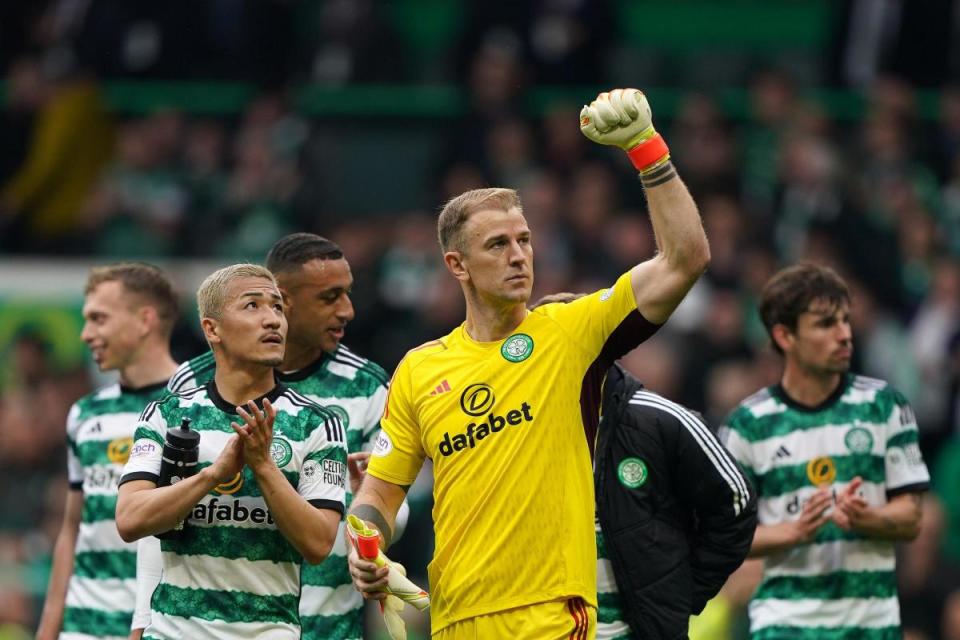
(593, 318)
(398, 453)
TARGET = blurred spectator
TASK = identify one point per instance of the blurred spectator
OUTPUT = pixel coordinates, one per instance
(951, 209)
(932, 329)
(563, 40)
(260, 200)
(349, 41)
(510, 153)
(591, 200)
(788, 174)
(563, 147)
(922, 578)
(773, 100)
(702, 143)
(33, 412)
(655, 364)
(725, 224)
(809, 193)
(727, 383)
(28, 360)
(881, 344)
(70, 144)
(719, 340)
(205, 182)
(138, 209)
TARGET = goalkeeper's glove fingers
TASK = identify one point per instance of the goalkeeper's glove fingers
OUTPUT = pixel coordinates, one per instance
(392, 619)
(620, 117)
(392, 608)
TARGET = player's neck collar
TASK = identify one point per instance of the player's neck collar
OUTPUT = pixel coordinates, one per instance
(219, 402)
(305, 372)
(147, 388)
(830, 400)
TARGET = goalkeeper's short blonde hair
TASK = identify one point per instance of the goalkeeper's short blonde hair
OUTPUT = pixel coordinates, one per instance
(458, 210)
(212, 294)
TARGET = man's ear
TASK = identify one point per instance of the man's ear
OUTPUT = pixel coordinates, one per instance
(782, 336)
(454, 260)
(210, 330)
(149, 318)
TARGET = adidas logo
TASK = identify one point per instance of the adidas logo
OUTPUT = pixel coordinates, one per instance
(782, 452)
(443, 387)
(95, 428)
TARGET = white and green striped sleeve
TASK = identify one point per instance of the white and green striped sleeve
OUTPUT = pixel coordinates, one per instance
(740, 447)
(371, 417)
(145, 456)
(905, 469)
(323, 477)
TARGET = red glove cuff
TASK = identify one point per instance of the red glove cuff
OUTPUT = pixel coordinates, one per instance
(648, 153)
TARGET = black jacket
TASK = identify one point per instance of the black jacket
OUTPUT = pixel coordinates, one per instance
(678, 522)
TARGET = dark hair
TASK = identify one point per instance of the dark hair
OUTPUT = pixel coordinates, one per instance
(143, 280)
(791, 291)
(291, 252)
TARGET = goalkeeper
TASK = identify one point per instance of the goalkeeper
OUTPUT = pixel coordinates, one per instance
(506, 404)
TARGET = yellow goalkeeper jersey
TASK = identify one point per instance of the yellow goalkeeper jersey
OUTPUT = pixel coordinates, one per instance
(504, 424)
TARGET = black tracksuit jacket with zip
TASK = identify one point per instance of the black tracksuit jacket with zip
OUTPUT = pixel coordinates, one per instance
(677, 523)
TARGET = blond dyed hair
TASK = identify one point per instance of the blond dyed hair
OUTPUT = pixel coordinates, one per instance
(458, 210)
(212, 294)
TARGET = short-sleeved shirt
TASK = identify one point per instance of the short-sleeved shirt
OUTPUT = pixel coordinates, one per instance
(232, 573)
(843, 584)
(354, 388)
(503, 423)
(101, 593)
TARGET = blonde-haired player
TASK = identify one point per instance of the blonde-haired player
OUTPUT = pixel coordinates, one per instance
(502, 403)
(270, 489)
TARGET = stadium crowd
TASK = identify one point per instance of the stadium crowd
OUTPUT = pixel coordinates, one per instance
(876, 196)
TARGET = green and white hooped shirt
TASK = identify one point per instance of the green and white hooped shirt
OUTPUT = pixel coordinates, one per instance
(102, 590)
(842, 584)
(232, 574)
(354, 388)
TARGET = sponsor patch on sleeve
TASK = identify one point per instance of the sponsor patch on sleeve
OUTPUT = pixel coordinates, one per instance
(384, 445)
(143, 448)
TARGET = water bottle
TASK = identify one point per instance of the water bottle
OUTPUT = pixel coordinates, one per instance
(179, 461)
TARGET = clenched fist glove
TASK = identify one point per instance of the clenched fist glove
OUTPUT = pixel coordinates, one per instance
(622, 118)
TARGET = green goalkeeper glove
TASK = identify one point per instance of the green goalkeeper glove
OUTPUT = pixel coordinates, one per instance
(622, 118)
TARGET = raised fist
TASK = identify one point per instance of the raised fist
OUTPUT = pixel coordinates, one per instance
(619, 117)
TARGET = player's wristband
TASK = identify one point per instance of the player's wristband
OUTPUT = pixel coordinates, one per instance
(649, 154)
(660, 173)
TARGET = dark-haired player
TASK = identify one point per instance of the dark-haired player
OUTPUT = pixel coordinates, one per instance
(837, 468)
(315, 281)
